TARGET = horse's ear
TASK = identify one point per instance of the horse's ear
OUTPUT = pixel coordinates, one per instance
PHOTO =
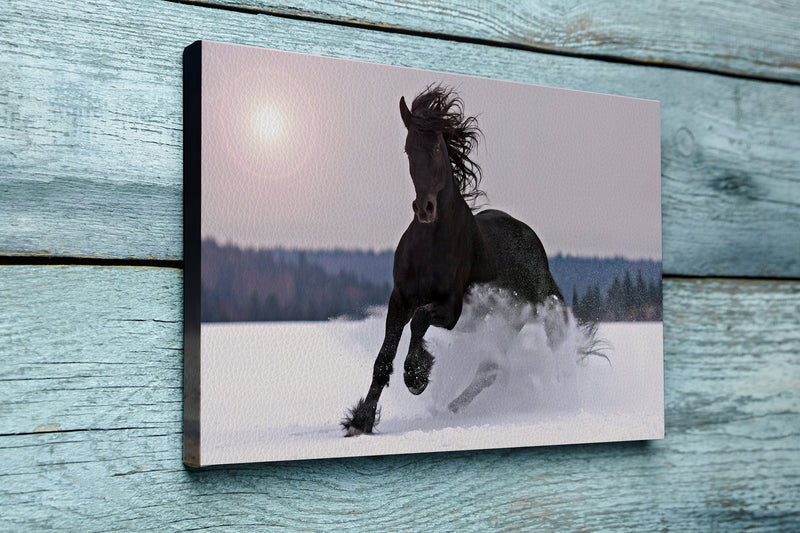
(405, 113)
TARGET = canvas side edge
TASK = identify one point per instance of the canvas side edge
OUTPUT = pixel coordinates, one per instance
(192, 139)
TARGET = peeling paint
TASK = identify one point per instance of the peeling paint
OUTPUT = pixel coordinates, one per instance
(47, 428)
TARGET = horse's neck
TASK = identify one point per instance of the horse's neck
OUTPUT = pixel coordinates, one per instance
(452, 206)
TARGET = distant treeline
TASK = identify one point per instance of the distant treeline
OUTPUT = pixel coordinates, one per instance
(579, 274)
(279, 284)
(261, 285)
(625, 300)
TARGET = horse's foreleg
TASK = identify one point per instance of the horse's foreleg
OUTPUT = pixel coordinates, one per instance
(362, 417)
(419, 361)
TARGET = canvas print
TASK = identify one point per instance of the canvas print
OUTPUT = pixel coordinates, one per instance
(387, 260)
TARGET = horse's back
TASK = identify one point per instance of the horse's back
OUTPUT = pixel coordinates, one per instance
(518, 256)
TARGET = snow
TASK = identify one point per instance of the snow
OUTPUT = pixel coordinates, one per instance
(277, 391)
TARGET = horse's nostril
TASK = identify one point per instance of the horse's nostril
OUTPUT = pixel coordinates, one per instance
(429, 208)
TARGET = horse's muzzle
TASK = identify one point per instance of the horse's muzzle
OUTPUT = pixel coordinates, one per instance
(425, 209)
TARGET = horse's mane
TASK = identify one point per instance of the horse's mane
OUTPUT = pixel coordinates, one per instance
(439, 109)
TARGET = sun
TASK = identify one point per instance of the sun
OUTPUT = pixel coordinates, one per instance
(268, 123)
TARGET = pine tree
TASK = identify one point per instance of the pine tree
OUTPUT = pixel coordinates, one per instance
(615, 301)
(640, 293)
(272, 307)
(591, 305)
(255, 311)
(628, 299)
(599, 304)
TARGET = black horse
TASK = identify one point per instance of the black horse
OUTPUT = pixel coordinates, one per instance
(446, 250)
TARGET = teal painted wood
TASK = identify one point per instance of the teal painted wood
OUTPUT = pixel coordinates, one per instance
(90, 429)
(748, 38)
(91, 358)
(91, 136)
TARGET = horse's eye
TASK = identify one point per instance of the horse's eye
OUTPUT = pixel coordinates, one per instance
(436, 149)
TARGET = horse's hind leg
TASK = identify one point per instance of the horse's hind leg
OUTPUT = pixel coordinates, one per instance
(484, 377)
(556, 321)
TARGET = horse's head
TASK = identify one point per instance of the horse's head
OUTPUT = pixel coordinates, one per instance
(438, 144)
(428, 163)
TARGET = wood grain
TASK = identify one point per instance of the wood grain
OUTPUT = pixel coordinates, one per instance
(749, 38)
(91, 133)
(91, 357)
(90, 430)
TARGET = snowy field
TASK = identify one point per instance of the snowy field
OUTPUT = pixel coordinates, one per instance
(277, 391)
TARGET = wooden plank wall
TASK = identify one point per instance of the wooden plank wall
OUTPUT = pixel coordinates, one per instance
(91, 258)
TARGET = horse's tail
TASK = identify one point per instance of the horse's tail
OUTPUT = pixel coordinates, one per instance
(593, 344)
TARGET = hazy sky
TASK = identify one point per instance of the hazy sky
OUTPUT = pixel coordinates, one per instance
(305, 151)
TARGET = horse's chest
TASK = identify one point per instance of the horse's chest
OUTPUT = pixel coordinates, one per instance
(432, 277)
(433, 271)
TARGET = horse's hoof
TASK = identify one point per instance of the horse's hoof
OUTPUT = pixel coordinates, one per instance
(416, 391)
(417, 372)
(360, 419)
(353, 432)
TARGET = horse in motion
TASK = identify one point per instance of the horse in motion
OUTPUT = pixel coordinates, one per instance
(447, 249)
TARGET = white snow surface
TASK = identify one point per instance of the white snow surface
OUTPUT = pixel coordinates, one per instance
(278, 390)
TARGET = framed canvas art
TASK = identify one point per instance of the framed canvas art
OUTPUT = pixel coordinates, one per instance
(384, 260)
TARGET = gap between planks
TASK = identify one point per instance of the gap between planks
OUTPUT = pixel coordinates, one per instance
(52, 260)
(60, 261)
(387, 28)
